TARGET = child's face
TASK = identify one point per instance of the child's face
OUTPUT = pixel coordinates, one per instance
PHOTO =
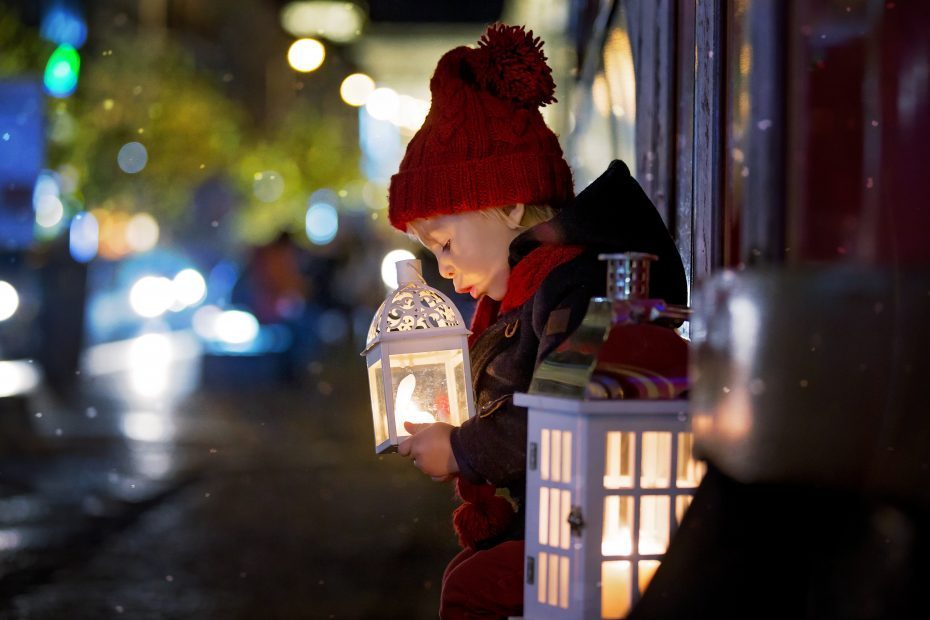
(472, 250)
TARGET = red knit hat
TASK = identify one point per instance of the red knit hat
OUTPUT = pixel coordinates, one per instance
(484, 143)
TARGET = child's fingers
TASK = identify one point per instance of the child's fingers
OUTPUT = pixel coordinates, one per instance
(413, 428)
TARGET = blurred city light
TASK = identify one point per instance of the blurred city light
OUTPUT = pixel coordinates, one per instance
(63, 24)
(146, 426)
(411, 112)
(84, 237)
(62, 70)
(189, 287)
(132, 157)
(141, 232)
(383, 103)
(356, 88)
(149, 362)
(340, 22)
(388, 270)
(46, 185)
(18, 377)
(49, 211)
(268, 185)
(236, 327)
(151, 296)
(9, 300)
(204, 321)
(322, 223)
(306, 55)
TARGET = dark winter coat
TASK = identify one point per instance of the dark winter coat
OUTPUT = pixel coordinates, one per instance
(613, 214)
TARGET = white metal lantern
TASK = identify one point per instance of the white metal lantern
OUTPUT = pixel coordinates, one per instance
(607, 484)
(610, 468)
(417, 355)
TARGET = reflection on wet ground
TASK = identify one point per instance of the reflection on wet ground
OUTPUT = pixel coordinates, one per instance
(225, 501)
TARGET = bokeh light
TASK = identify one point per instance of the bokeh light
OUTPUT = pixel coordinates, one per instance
(236, 327)
(9, 300)
(151, 296)
(49, 211)
(356, 88)
(149, 361)
(388, 270)
(62, 70)
(268, 185)
(322, 223)
(189, 287)
(204, 321)
(63, 24)
(132, 157)
(306, 55)
(411, 112)
(383, 103)
(84, 237)
(141, 232)
(338, 21)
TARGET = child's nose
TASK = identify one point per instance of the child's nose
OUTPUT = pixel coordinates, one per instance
(446, 270)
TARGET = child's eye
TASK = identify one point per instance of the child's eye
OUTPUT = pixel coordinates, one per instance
(448, 244)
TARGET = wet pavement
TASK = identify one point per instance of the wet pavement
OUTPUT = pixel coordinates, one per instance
(248, 499)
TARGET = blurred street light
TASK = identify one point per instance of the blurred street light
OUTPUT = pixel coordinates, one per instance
(142, 232)
(9, 300)
(389, 270)
(84, 237)
(340, 22)
(322, 223)
(383, 104)
(62, 70)
(306, 55)
(356, 88)
(151, 296)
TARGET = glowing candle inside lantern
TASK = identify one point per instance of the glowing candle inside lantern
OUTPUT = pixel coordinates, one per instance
(406, 408)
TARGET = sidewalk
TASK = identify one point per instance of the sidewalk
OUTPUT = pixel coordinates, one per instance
(259, 503)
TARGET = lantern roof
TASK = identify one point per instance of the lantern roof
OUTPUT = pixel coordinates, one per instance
(414, 306)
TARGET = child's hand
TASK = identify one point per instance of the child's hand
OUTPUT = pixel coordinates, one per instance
(431, 450)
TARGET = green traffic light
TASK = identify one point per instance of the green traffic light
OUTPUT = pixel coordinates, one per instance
(61, 72)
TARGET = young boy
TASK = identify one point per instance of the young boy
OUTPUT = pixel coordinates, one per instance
(484, 186)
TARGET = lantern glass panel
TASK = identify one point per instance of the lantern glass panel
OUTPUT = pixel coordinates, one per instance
(620, 453)
(378, 409)
(617, 538)
(681, 505)
(647, 568)
(654, 524)
(690, 470)
(428, 387)
(657, 460)
(616, 588)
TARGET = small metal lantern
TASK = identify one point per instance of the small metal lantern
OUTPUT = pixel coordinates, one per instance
(417, 355)
(610, 468)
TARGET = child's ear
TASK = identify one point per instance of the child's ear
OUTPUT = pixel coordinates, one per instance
(513, 215)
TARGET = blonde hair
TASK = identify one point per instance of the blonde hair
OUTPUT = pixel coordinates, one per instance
(532, 215)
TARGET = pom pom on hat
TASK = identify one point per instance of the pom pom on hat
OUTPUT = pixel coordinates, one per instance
(483, 515)
(513, 67)
(484, 143)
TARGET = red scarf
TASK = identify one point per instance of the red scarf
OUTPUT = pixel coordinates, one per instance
(484, 514)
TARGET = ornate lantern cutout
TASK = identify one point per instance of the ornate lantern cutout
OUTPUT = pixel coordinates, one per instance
(610, 468)
(417, 355)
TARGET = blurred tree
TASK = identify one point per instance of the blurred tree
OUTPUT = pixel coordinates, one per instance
(149, 89)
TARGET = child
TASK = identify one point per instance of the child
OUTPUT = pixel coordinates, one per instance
(484, 185)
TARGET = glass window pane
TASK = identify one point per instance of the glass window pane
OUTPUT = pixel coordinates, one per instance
(616, 588)
(458, 396)
(564, 576)
(654, 524)
(617, 537)
(544, 455)
(553, 579)
(681, 505)
(556, 456)
(647, 568)
(421, 387)
(544, 516)
(566, 456)
(378, 411)
(620, 456)
(563, 517)
(690, 471)
(542, 582)
(657, 460)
